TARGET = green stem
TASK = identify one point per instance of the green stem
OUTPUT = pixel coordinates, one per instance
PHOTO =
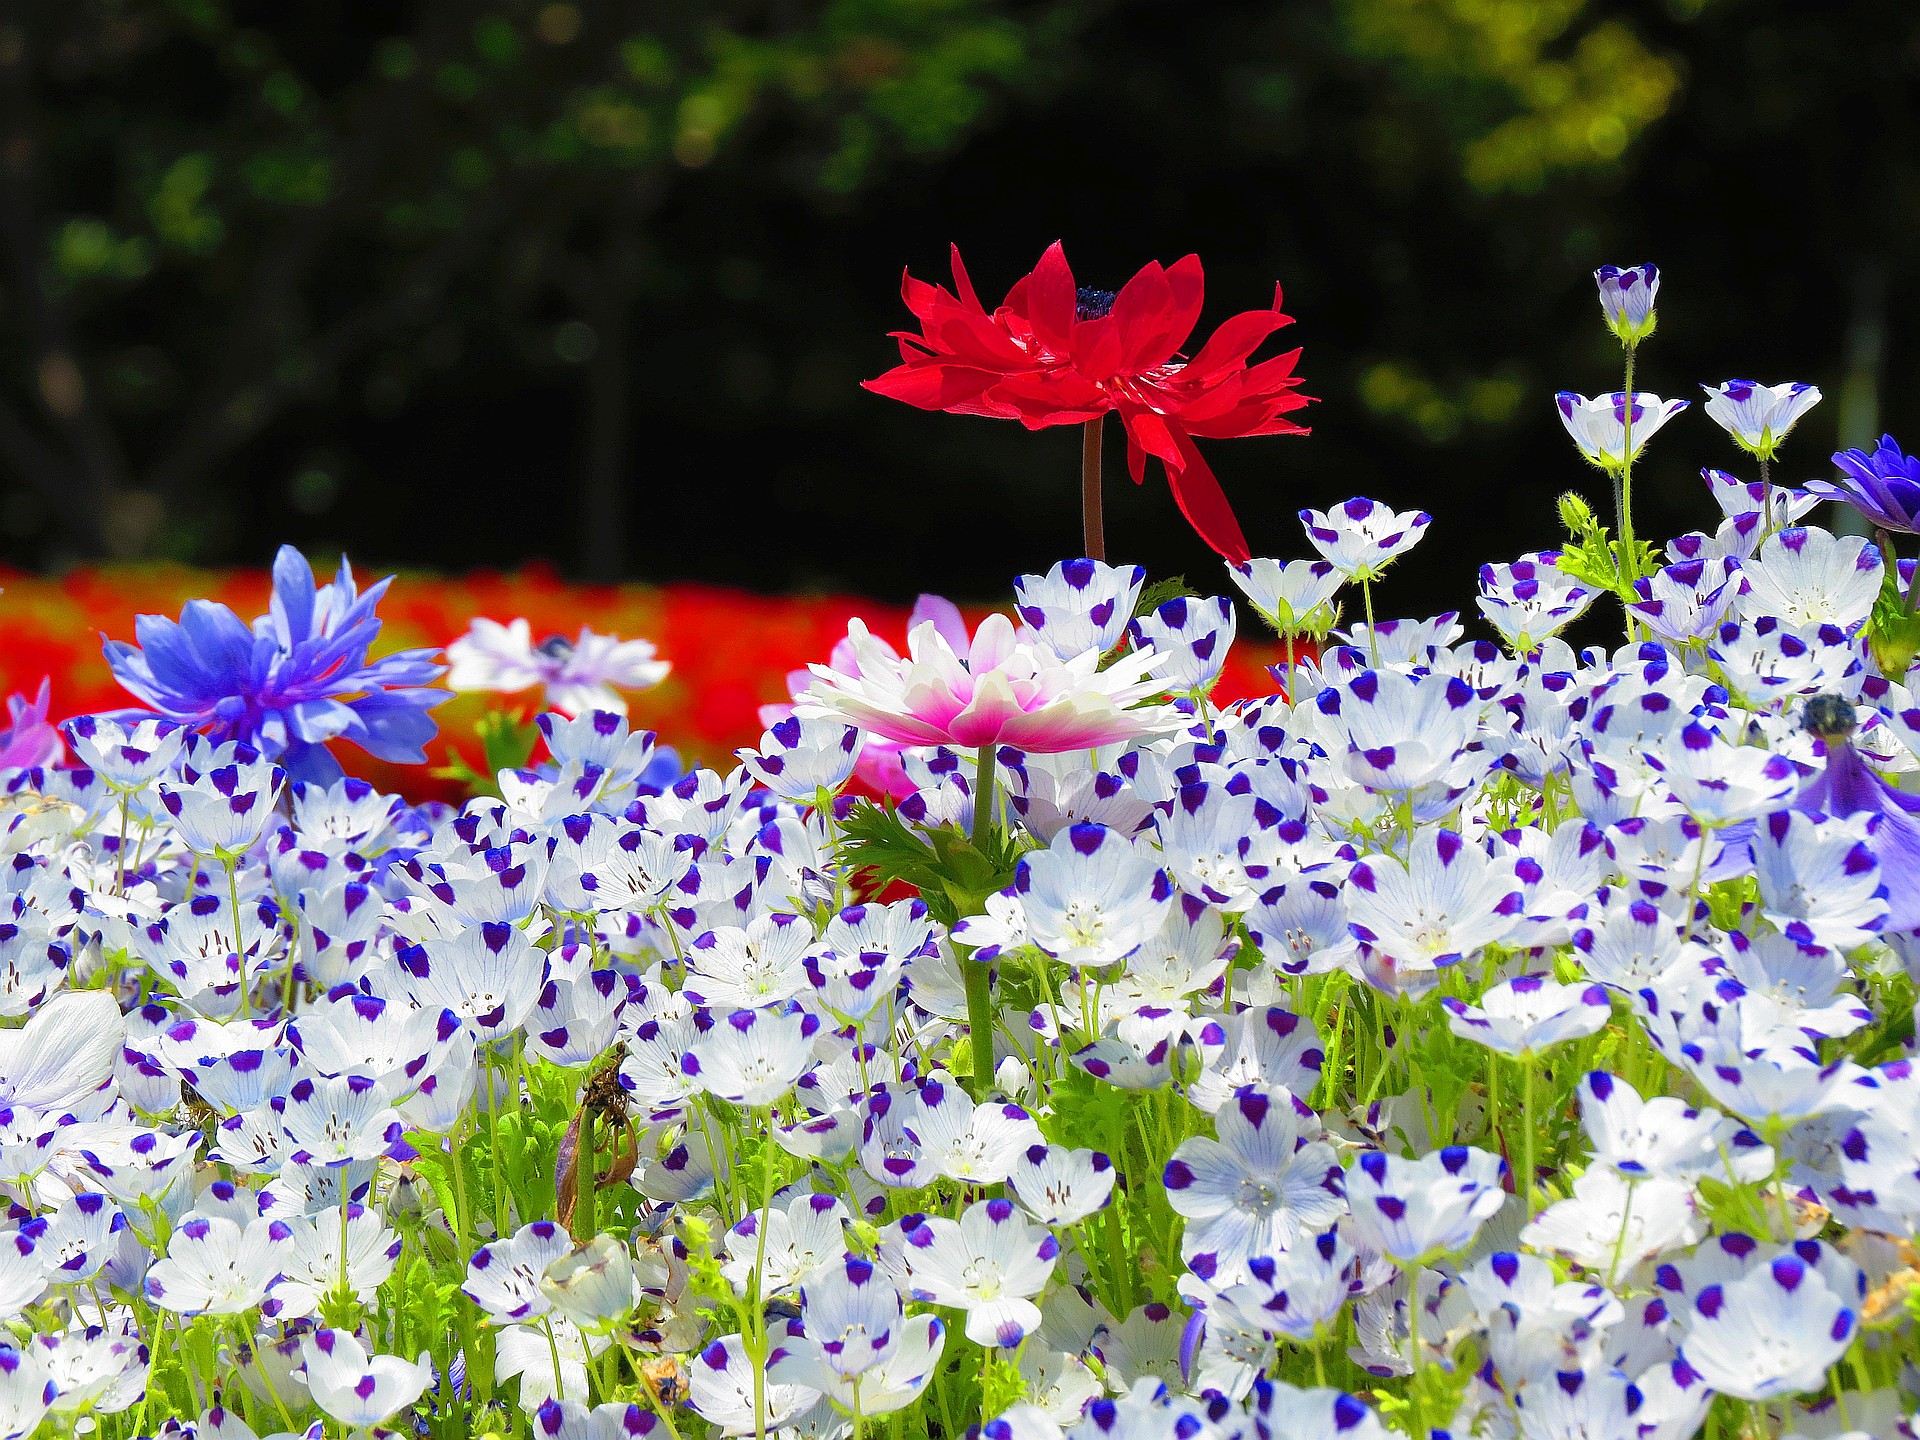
(760, 1345)
(585, 1183)
(1527, 1128)
(239, 943)
(1629, 558)
(1373, 636)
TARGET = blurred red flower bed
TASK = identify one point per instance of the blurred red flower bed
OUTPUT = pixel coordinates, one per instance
(731, 650)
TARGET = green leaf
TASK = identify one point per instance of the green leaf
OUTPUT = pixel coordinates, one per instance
(1175, 587)
(953, 875)
(1893, 630)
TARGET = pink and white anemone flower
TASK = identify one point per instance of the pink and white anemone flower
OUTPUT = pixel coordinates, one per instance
(1001, 691)
(879, 765)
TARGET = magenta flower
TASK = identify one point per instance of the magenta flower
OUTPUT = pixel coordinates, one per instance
(1001, 691)
(27, 739)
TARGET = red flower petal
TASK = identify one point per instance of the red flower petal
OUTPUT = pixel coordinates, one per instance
(1204, 504)
(1050, 300)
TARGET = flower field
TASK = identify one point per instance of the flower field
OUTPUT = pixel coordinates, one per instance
(496, 1008)
(731, 652)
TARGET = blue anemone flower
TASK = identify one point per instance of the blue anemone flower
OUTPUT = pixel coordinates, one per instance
(298, 678)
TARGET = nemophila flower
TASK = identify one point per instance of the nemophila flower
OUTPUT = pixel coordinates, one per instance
(1295, 597)
(752, 1057)
(27, 1391)
(1535, 1322)
(1255, 1190)
(785, 1242)
(576, 676)
(556, 1419)
(1776, 505)
(1771, 1332)
(1303, 1289)
(32, 963)
(1790, 995)
(1820, 882)
(1093, 896)
(1432, 1205)
(1079, 605)
(1003, 692)
(988, 1263)
(1626, 299)
(1362, 537)
(237, 1067)
(128, 754)
(1059, 1186)
(1137, 1051)
(1768, 662)
(77, 1239)
(1448, 901)
(863, 952)
(1530, 601)
(1644, 1138)
(23, 1272)
(224, 797)
(1719, 782)
(1148, 1410)
(980, 1144)
(1407, 735)
(1193, 634)
(1605, 426)
(503, 1278)
(853, 1344)
(335, 1120)
(214, 1266)
(799, 757)
(356, 1388)
(297, 680)
(1055, 354)
(1882, 484)
(1210, 841)
(1811, 577)
(63, 1057)
(1267, 1047)
(1758, 417)
(489, 976)
(1529, 1014)
(1285, 1412)
(1777, 1084)
(730, 1389)
(1687, 601)
(1302, 926)
(319, 1265)
(1612, 1222)
(763, 964)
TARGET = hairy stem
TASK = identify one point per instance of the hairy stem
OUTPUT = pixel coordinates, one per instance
(1092, 516)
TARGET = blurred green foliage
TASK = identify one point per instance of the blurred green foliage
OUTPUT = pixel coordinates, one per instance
(242, 202)
(261, 265)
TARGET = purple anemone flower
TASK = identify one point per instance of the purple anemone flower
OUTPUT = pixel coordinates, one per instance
(1848, 786)
(1884, 486)
(300, 677)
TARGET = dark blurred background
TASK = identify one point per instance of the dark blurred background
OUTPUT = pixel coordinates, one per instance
(460, 284)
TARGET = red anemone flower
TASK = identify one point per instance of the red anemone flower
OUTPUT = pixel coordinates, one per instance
(1055, 354)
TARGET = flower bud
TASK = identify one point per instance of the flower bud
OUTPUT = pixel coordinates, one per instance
(1575, 513)
(1626, 298)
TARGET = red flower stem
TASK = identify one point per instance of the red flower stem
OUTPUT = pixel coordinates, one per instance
(1092, 519)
